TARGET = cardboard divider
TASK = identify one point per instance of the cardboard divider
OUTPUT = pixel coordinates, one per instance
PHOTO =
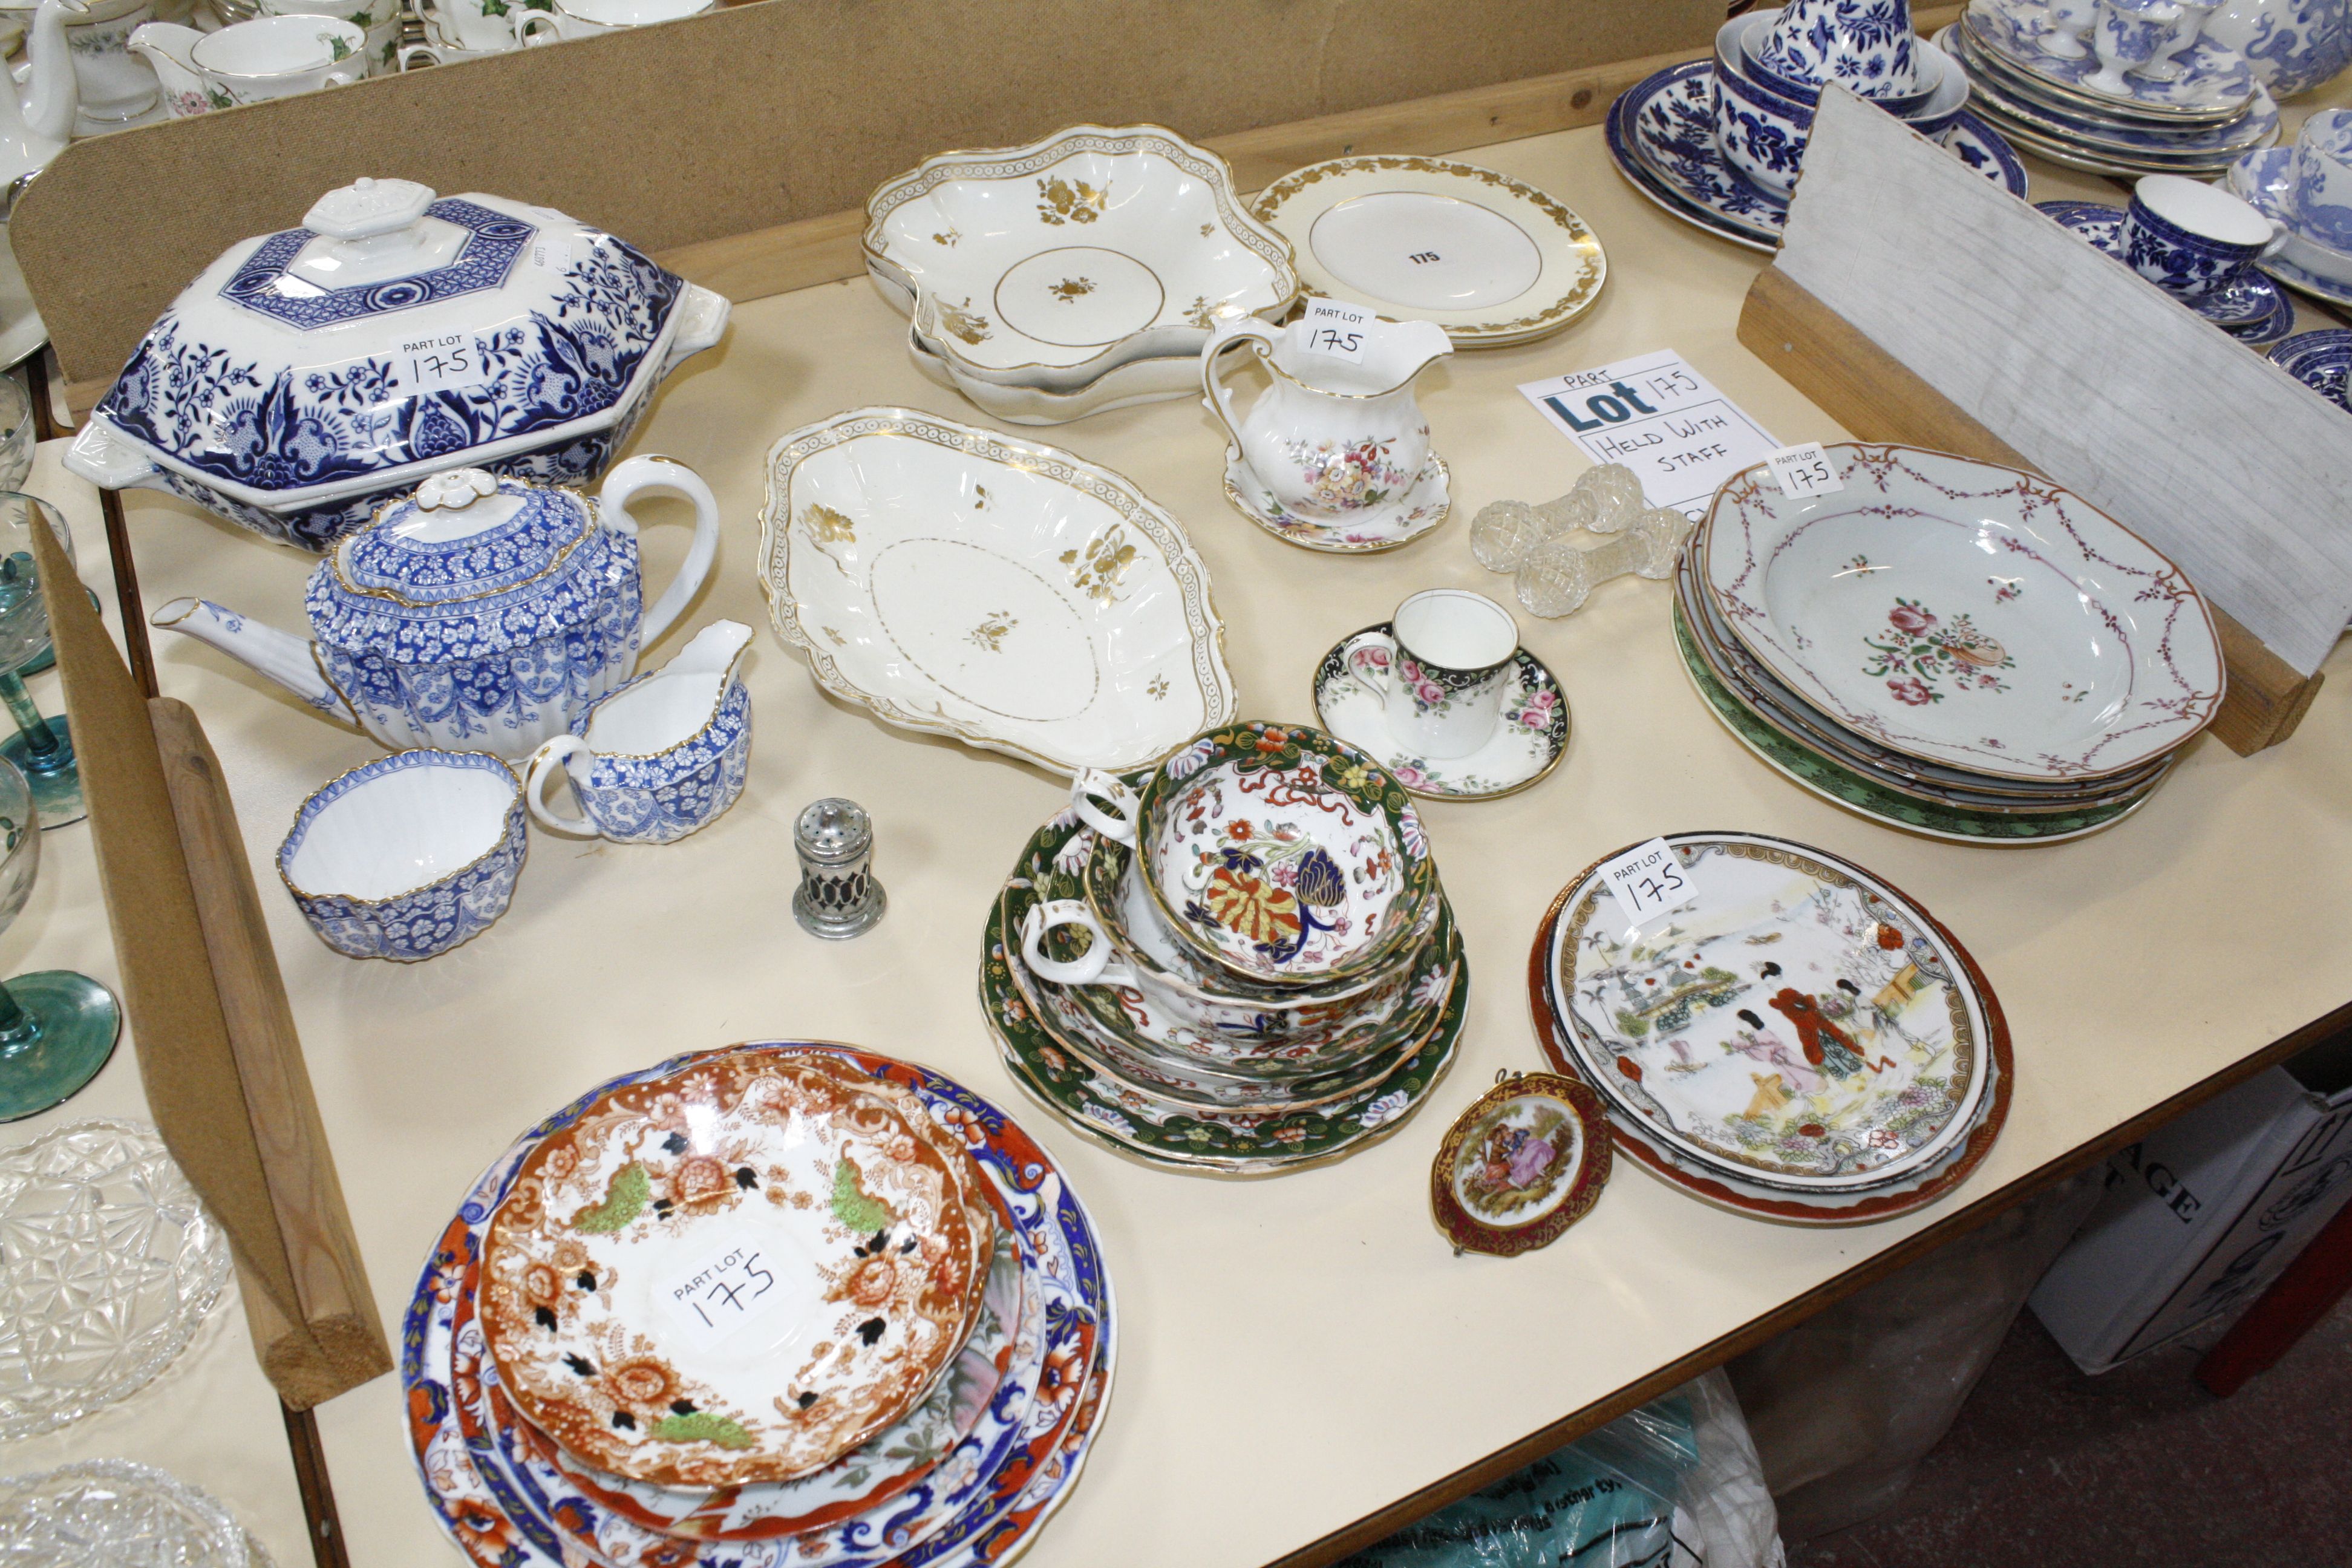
(762, 115)
(217, 1052)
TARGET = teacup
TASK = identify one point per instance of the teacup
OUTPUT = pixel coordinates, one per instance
(2322, 202)
(587, 18)
(1448, 654)
(279, 57)
(1332, 438)
(1866, 46)
(378, 19)
(408, 856)
(466, 28)
(1740, 40)
(1278, 854)
(2192, 238)
(660, 757)
(2127, 36)
(1762, 133)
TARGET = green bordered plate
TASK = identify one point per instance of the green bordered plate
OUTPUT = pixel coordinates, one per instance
(1834, 783)
(1190, 1137)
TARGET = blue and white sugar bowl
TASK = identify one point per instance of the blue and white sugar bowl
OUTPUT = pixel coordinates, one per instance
(308, 376)
(482, 613)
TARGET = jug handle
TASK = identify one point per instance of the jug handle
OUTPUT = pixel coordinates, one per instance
(1213, 391)
(550, 758)
(661, 474)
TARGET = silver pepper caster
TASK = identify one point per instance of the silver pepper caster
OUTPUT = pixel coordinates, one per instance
(839, 897)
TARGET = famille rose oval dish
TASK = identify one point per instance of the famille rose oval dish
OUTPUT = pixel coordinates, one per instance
(1965, 613)
(733, 1273)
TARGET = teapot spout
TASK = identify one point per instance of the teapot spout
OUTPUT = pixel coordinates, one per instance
(286, 659)
(50, 106)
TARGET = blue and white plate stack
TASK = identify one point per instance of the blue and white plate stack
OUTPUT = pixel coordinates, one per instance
(1719, 142)
(2192, 107)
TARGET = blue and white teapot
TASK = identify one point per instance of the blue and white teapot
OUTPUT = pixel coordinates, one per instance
(480, 614)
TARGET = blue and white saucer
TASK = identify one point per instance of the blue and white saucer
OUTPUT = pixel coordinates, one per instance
(1661, 136)
(2266, 179)
(2252, 309)
(2322, 361)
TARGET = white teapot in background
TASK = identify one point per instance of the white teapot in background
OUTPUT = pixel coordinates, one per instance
(106, 87)
(1332, 438)
(36, 119)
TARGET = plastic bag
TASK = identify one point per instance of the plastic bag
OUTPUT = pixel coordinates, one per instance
(1674, 1484)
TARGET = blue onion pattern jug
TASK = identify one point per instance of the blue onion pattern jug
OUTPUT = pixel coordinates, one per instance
(480, 614)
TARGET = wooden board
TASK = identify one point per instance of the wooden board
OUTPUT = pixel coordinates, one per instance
(761, 115)
(2089, 372)
(1872, 394)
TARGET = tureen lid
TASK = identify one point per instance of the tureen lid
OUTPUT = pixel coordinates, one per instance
(470, 564)
(395, 326)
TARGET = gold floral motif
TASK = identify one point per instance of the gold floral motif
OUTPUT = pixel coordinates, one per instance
(1070, 201)
(990, 633)
(823, 525)
(1095, 571)
(1069, 289)
(947, 237)
(1207, 229)
(963, 321)
(838, 640)
(1158, 689)
(1204, 314)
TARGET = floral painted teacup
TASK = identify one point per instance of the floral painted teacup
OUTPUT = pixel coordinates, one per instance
(379, 20)
(660, 757)
(1333, 439)
(2192, 238)
(1442, 674)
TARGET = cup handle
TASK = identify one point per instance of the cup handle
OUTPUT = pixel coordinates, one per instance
(1093, 967)
(1373, 677)
(2278, 233)
(1118, 825)
(410, 53)
(661, 474)
(551, 757)
(338, 78)
(1248, 330)
(524, 25)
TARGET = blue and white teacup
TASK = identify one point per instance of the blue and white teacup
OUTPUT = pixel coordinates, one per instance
(2192, 238)
(1761, 133)
(1449, 654)
(1866, 46)
(408, 856)
(2323, 178)
(660, 757)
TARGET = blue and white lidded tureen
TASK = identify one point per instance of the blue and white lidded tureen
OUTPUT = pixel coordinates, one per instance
(481, 613)
(307, 377)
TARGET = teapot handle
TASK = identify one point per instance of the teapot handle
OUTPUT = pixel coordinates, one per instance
(660, 474)
(1248, 330)
(554, 757)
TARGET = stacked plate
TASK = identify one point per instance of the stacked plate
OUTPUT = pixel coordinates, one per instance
(1076, 274)
(1946, 645)
(2047, 92)
(783, 1303)
(1666, 133)
(1273, 978)
(1795, 1039)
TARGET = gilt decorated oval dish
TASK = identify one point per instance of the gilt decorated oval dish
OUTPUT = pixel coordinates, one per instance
(1965, 613)
(1012, 596)
(1792, 1021)
(734, 1273)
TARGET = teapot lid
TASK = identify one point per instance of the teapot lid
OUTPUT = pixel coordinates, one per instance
(470, 564)
(395, 326)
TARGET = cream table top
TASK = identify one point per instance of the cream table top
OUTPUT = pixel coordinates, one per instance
(1294, 1352)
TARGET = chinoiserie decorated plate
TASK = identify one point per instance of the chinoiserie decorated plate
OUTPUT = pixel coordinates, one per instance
(2251, 308)
(1529, 738)
(1373, 530)
(1490, 259)
(1661, 134)
(1965, 614)
(1839, 785)
(1793, 1021)
(1284, 855)
(736, 1273)
(1527, 1161)
(1736, 1188)
(2007, 95)
(1049, 264)
(1126, 1117)
(1764, 699)
(2266, 178)
(2213, 85)
(1052, 1393)
(1019, 598)
(2322, 361)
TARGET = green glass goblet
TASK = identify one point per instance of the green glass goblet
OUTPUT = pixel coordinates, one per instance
(42, 747)
(56, 1027)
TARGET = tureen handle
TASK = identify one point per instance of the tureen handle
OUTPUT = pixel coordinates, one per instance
(1093, 967)
(550, 757)
(1248, 330)
(661, 474)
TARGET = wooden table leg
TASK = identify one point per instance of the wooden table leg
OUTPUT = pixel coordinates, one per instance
(2283, 1314)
